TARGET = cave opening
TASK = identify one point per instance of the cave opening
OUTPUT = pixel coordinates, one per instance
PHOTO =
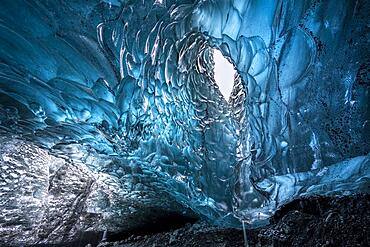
(224, 73)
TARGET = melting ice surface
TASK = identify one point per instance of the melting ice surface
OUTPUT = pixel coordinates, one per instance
(129, 86)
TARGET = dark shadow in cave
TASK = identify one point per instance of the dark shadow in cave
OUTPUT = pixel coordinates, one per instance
(167, 221)
(170, 221)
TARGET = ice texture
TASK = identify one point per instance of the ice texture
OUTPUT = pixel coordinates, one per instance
(127, 89)
(47, 199)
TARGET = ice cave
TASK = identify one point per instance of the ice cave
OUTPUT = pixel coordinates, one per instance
(124, 116)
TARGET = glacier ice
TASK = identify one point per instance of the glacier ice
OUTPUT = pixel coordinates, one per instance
(48, 199)
(126, 89)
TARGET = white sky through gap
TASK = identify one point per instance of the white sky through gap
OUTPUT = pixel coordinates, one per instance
(224, 73)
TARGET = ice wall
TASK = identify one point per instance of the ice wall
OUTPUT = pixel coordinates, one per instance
(134, 80)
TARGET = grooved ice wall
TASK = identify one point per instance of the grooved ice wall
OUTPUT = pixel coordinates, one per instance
(125, 90)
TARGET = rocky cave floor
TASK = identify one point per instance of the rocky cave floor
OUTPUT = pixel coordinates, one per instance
(310, 221)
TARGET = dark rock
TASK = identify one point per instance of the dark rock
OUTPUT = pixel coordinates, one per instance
(310, 221)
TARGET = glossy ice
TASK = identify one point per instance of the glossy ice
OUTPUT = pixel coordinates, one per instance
(133, 82)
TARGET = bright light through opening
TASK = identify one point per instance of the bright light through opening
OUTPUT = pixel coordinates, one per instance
(224, 73)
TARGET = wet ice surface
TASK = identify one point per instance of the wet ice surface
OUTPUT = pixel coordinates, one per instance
(126, 90)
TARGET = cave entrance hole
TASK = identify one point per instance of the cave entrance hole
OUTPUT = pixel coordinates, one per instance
(224, 73)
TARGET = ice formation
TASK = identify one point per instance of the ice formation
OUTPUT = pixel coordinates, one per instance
(126, 89)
